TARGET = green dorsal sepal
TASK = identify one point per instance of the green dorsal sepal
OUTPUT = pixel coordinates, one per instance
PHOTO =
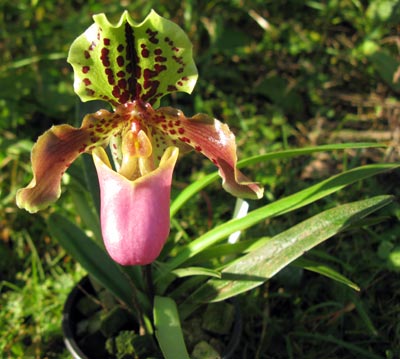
(129, 61)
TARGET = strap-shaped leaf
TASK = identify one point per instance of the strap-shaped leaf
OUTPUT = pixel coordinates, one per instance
(325, 270)
(258, 266)
(168, 329)
(197, 186)
(94, 259)
(130, 61)
(195, 271)
(277, 208)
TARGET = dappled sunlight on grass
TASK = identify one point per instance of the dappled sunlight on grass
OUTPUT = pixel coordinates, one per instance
(287, 77)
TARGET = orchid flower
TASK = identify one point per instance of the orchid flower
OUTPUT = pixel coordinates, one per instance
(131, 66)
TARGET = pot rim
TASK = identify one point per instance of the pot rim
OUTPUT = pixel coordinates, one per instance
(76, 352)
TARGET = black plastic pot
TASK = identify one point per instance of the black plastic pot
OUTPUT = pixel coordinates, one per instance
(71, 318)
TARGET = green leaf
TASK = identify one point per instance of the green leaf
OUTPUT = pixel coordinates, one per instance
(93, 258)
(130, 61)
(92, 182)
(359, 352)
(277, 208)
(364, 315)
(191, 271)
(226, 249)
(85, 210)
(168, 329)
(387, 66)
(280, 92)
(197, 186)
(380, 11)
(326, 271)
(258, 266)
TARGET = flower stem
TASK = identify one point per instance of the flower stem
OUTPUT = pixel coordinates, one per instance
(148, 277)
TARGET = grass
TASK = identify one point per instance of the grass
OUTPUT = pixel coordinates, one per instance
(283, 75)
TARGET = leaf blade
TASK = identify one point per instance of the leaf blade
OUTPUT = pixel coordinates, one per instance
(168, 329)
(277, 208)
(196, 271)
(326, 271)
(91, 257)
(258, 266)
(197, 186)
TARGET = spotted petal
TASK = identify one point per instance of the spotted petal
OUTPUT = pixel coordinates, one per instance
(132, 61)
(54, 151)
(135, 214)
(214, 140)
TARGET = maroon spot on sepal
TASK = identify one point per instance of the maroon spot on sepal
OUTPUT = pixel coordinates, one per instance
(111, 79)
(124, 97)
(159, 68)
(148, 74)
(152, 36)
(153, 85)
(145, 53)
(122, 83)
(160, 59)
(116, 92)
(120, 61)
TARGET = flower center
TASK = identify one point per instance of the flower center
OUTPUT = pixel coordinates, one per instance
(136, 152)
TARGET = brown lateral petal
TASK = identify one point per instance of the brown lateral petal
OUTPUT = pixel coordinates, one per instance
(214, 140)
(53, 153)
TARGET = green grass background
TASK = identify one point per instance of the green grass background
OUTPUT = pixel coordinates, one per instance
(282, 74)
